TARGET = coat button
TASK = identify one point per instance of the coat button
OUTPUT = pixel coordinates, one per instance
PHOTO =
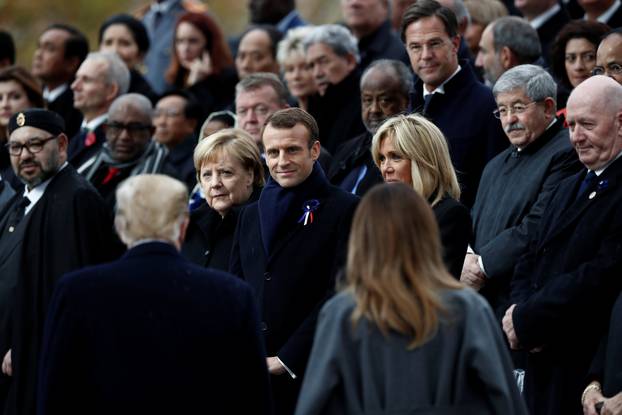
(267, 276)
(263, 326)
(206, 253)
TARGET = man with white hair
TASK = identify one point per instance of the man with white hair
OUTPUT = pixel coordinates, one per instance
(565, 285)
(332, 53)
(152, 333)
(100, 79)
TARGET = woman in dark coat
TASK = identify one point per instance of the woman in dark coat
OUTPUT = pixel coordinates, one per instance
(412, 150)
(201, 62)
(230, 173)
(127, 37)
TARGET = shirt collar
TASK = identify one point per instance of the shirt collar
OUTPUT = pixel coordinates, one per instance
(50, 96)
(95, 122)
(441, 88)
(602, 169)
(604, 18)
(36, 193)
(538, 21)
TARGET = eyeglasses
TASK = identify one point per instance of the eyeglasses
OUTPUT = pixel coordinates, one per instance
(33, 145)
(514, 109)
(612, 69)
(115, 128)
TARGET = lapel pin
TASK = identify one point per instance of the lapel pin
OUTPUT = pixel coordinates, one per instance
(308, 207)
(592, 195)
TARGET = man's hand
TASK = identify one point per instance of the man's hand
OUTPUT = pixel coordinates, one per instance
(508, 328)
(274, 366)
(472, 275)
(7, 367)
(612, 406)
(592, 397)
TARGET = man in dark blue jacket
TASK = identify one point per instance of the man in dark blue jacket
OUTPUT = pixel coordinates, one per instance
(449, 94)
(289, 245)
(152, 333)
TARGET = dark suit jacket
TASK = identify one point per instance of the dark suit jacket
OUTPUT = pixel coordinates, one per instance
(338, 112)
(549, 30)
(349, 158)
(565, 287)
(78, 152)
(454, 222)
(294, 280)
(615, 20)
(63, 105)
(381, 44)
(152, 333)
(515, 189)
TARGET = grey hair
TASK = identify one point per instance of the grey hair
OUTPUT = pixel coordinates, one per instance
(461, 11)
(337, 37)
(116, 72)
(537, 83)
(397, 68)
(138, 101)
(292, 43)
(519, 36)
(260, 79)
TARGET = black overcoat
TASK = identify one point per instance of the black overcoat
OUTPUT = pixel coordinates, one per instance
(565, 287)
(152, 333)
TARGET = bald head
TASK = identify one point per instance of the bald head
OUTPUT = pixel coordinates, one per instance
(595, 118)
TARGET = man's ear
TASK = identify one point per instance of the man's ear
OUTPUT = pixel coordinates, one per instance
(507, 58)
(63, 142)
(315, 150)
(550, 107)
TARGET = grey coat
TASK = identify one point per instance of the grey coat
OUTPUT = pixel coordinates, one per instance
(464, 369)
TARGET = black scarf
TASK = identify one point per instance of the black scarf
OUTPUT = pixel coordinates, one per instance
(280, 206)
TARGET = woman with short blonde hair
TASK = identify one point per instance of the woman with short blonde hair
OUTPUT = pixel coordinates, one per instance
(230, 174)
(412, 150)
(403, 336)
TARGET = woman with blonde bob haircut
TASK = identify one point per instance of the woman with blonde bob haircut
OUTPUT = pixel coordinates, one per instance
(230, 174)
(412, 150)
(403, 336)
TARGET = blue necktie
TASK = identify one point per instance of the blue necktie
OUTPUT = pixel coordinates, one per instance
(587, 182)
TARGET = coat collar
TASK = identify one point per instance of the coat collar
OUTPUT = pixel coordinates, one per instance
(573, 209)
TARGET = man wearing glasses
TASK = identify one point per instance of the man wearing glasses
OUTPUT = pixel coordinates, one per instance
(58, 224)
(128, 150)
(517, 184)
(449, 94)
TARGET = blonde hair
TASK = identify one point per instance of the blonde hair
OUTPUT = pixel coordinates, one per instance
(235, 142)
(419, 140)
(150, 206)
(394, 268)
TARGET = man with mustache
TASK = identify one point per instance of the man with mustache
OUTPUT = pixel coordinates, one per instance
(517, 184)
(58, 224)
(385, 85)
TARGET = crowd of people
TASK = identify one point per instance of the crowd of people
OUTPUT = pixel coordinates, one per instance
(412, 210)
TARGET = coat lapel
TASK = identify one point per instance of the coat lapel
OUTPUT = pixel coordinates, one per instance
(571, 210)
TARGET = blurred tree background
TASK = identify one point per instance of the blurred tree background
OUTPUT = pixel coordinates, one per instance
(25, 19)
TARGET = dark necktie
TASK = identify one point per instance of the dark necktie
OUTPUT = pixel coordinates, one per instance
(587, 182)
(17, 214)
(426, 102)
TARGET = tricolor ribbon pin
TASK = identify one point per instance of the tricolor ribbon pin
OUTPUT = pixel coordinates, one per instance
(308, 207)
